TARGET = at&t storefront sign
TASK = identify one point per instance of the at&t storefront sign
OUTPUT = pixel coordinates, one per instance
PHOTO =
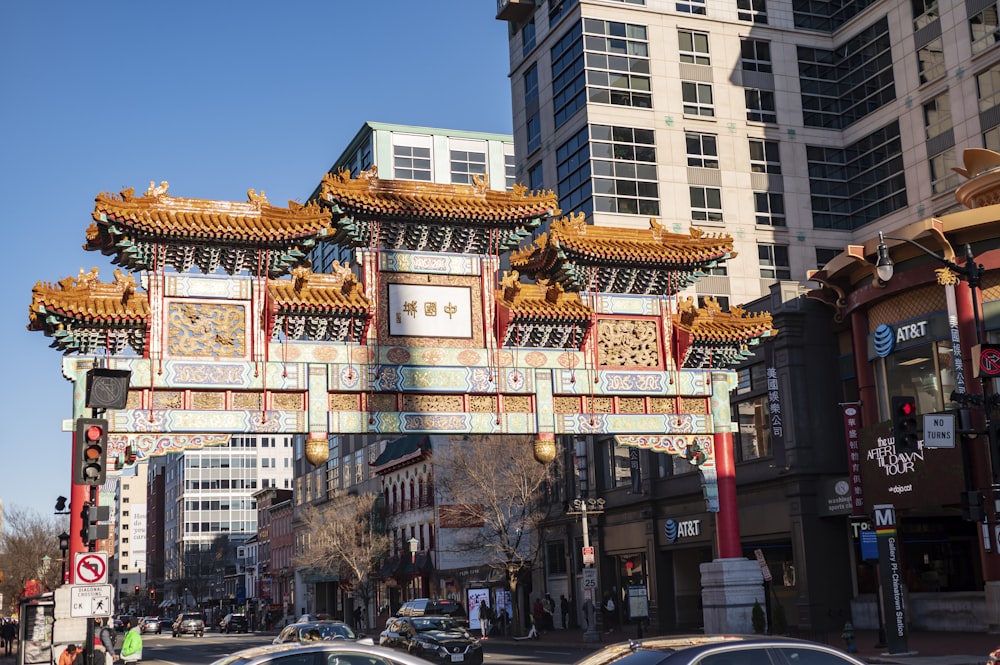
(886, 338)
(674, 530)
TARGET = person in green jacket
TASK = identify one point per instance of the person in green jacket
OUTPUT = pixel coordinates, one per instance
(132, 645)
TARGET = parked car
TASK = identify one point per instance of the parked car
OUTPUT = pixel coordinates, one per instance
(120, 622)
(443, 607)
(189, 623)
(434, 638)
(718, 650)
(332, 652)
(312, 631)
(151, 625)
(234, 623)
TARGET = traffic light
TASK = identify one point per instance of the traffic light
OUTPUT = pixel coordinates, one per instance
(152, 594)
(92, 531)
(904, 424)
(137, 589)
(91, 451)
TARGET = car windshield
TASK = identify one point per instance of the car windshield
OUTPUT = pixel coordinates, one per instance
(435, 623)
(327, 631)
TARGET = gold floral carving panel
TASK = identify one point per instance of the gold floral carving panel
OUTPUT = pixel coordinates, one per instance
(631, 405)
(383, 402)
(345, 402)
(134, 399)
(168, 399)
(600, 404)
(517, 404)
(208, 401)
(433, 403)
(248, 401)
(483, 403)
(566, 405)
(206, 330)
(287, 401)
(628, 343)
(662, 405)
(696, 405)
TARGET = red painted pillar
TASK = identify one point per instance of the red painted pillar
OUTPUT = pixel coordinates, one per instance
(978, 448)
(728, 519)
(863, 368)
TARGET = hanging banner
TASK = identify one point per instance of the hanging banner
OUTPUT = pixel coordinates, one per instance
(852, 436)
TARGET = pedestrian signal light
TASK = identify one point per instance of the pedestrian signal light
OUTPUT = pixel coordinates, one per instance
(91, 451)
(904, 424)
(137, 589)
(92, 530)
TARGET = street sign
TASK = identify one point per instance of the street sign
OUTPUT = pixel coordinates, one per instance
(939, 430)
(588, 556)
(764, 569)
(91, 568)
(590, 578)
(986, 360)
(90, 600)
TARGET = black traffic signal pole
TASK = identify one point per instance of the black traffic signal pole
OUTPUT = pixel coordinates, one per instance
(92, 547)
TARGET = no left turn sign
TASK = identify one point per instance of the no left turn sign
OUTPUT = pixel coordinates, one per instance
(91, 568)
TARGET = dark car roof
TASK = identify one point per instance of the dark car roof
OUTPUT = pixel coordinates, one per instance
(660, 648)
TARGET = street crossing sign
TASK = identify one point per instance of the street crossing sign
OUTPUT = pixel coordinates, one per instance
(87, 601)
(91, 568)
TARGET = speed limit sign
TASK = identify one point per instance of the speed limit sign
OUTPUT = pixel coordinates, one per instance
(590, 578)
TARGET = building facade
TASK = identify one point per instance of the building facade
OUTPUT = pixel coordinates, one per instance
(800, 129)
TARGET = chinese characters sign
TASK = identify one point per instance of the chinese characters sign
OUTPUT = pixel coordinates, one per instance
(774, 406)
(852, 433)
(427, 310)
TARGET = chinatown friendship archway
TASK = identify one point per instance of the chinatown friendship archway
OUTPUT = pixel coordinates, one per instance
(228, 330)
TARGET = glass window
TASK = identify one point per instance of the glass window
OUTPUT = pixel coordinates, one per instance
(942, 177)
(760, 105)
(509, 167)
(984, 30)
(411, 162)
(773, 261)
(756, 55)
(465, 164)
(937, 116)
(691, 6)
(769, 208)
(752, 11)
(930, 59)
(693, 47)
(754, 421)
(624, 165)
(555, 557)
(764, 157)
(615, 462)
(617, 57)
(925, 372)
(702, 150)
(824, 255)
(925, 12)
(697, 98)
(988, 86)
(706, 204)
(528, 37)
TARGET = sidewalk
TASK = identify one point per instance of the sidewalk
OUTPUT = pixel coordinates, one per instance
(937, 648)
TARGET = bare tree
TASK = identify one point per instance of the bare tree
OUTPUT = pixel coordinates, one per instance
(346, 537)
(27, 539)
(497, 485)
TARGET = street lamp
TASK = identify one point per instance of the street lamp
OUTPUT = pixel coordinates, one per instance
(584, 507)
(63, 546)
(414, 544)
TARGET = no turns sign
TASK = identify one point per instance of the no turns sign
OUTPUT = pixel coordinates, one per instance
(91, 568)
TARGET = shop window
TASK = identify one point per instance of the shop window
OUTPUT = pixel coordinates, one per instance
(555, 558)
(754, 419)
(615, 464)
(924, 372)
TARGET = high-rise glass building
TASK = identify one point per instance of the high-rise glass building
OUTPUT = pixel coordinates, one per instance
(796, 127)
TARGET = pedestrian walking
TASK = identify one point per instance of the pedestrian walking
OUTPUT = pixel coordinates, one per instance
(132, 644)
(9, 632)
(608, 612)
(564, 610)
(550, 612)
(485, 616)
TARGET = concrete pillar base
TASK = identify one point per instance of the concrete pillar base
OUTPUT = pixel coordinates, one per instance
(729, 588)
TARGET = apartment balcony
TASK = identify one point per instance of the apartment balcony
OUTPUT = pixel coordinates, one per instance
(515, 10)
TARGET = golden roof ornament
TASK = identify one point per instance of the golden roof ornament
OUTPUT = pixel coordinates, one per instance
(258, 200)
(155, 192)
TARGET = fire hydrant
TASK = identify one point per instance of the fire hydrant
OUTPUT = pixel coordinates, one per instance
(848, 636)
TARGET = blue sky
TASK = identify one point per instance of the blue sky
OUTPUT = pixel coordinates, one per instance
(214, 97)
